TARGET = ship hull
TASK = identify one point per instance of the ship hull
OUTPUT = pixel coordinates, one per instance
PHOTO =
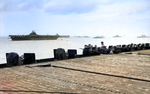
(143, 37)
(98, 37)
(37, 37)
(64, 36)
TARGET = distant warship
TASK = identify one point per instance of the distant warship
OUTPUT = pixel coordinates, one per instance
(143, 36)
(99, 37)
(116, 36)
(33, 36)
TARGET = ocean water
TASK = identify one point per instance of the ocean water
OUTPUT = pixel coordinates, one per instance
(44, 48)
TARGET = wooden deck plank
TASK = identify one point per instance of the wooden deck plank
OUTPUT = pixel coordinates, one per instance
(105, 74)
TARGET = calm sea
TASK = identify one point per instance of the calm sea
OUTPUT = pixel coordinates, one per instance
(44, 48)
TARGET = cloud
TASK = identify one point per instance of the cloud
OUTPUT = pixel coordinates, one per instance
(49, 6)
(75, 6)
(20, 5)
(122, 7)
(5, 7)
(78, 16)
(119, 11)
(29, 6)
(69, 7)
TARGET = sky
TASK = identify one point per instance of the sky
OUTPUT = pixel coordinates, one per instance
(75, 17)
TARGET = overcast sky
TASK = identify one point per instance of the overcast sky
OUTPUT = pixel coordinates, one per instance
(75, 17)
